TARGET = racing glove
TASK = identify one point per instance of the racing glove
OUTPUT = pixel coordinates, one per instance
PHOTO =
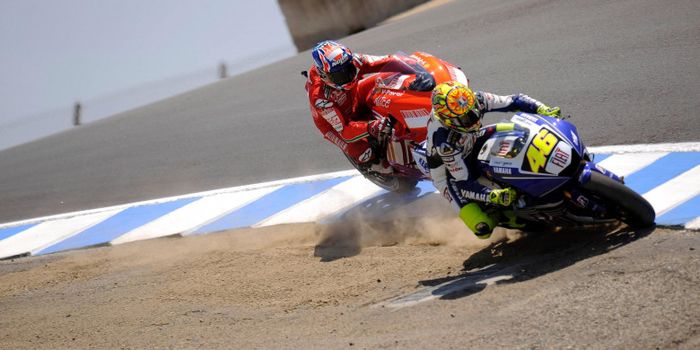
(502, 197)
(379, 129)
(549, 111)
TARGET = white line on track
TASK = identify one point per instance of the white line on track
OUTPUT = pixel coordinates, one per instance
(676, 191)
(475, 280)
(627, 163)
(47, 233)
(651, 147)
(619, 149)
(194, 215)
(337, 199)
(295, 180)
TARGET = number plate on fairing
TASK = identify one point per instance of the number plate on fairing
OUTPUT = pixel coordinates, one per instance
(546, 153)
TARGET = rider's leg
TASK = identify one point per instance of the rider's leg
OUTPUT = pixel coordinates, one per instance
(480, 222)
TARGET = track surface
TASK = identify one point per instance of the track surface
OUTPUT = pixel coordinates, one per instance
(626, 70)
(307, 287)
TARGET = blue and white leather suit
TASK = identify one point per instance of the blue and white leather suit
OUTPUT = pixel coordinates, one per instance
(453, 172)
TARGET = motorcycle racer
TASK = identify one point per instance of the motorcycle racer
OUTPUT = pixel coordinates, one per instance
(452, 131)
(338, 103)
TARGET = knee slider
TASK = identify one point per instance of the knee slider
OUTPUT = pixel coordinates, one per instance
(477, 220)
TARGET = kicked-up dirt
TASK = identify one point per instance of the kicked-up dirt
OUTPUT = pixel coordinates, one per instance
(345, 286)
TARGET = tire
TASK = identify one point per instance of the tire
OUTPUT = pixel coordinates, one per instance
(396, 184)
(632, 209)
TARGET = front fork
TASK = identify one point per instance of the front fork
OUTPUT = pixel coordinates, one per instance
(579, 198)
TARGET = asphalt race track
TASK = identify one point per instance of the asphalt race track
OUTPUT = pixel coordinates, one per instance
(627, 71)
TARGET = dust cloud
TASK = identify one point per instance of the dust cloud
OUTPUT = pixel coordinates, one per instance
(429, 221)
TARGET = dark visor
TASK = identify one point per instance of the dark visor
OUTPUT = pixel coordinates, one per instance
(469, 119)
(343, 76)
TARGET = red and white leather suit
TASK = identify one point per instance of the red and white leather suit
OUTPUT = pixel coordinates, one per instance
(342, 115)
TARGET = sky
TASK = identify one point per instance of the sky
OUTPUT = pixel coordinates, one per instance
(55, 52)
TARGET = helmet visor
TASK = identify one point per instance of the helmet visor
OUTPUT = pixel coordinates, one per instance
(469, 121)
(344, 75)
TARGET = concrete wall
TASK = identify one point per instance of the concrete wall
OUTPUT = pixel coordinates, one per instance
(310, 21)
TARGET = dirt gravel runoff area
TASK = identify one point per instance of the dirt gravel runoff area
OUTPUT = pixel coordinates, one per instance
(361, 285)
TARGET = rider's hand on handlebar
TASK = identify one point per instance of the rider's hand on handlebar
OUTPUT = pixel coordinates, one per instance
(549, 111)
(379, 129)
(502, 197)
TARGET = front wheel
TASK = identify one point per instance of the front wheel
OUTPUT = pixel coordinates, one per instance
(631, 208)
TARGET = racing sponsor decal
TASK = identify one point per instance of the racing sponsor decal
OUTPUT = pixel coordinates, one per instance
(391, 92)
(473, 195)
(559, 159)
(322, 104)
(454, 168)
(416, 118)
(415, 113)
(336, 140)
(574, 138)
(339, 96)
(502, 170)
(503, 148)
(445, 149)
(366, 155)
(582, 201)
(539, 151)
(382, 101)
(525, 119)
(423, 163)
(332, 118)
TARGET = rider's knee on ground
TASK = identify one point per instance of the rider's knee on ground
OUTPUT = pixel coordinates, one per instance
(477, 220)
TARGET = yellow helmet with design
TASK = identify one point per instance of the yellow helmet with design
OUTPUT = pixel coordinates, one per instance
(454, 105)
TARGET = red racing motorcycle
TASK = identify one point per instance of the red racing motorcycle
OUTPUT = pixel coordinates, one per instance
(402, 94)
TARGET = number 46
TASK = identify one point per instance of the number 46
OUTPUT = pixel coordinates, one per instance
(540, 148)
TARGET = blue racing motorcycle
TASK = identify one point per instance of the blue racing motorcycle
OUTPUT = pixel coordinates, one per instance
(557, 181)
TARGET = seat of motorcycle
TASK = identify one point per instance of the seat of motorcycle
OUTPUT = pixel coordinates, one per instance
(423, 82)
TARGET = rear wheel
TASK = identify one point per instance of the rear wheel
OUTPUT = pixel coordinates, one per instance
(397, 184)
(630, 207)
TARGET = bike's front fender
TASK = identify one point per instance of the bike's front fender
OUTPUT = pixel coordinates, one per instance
(585, 174)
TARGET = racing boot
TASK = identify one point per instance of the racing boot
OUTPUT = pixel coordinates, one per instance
(382, 167)
(504, 197)
(481, 223)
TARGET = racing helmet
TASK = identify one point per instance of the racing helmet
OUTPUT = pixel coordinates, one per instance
(455, 107)
(335, 63)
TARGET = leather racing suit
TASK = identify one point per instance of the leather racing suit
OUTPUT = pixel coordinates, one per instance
(342, 116)
(452, 170)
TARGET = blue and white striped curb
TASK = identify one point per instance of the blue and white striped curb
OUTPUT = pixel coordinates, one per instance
(668, 175)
